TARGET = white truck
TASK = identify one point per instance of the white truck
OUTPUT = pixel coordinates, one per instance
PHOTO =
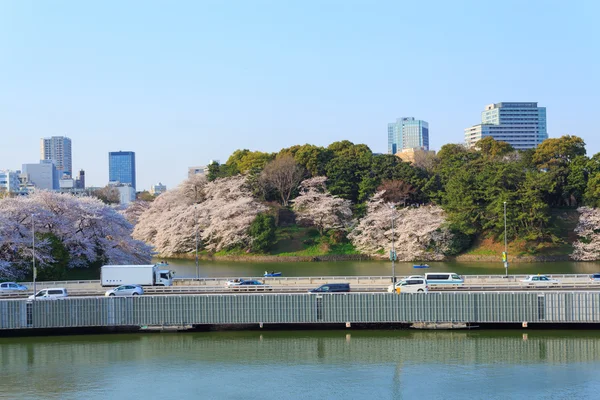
(146, 275)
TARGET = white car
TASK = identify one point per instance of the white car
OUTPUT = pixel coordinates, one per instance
(390, 288)
(539, 280)
(11, 287)
(49, 294)
(411, 285)
(125, 290)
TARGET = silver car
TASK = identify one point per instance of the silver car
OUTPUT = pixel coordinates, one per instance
(125, 290)
(12, 287)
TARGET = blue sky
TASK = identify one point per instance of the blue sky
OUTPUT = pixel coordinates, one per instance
(182, 82)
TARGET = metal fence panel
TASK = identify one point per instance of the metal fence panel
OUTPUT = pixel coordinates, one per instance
(473, 307)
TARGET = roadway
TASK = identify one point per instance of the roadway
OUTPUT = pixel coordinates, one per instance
(87, 290)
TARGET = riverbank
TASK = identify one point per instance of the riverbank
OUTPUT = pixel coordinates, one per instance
(467, 258)
(265, 258)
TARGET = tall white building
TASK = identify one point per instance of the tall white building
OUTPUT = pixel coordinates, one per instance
(58, 149)
(522, 125)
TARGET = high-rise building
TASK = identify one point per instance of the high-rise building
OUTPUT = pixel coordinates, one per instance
(121, 167)
(408, 133)
(57, 149)
(522, 125)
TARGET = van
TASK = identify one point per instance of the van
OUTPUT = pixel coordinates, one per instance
(411, 285)
(332, 288)
(437, 278)
(52, 294)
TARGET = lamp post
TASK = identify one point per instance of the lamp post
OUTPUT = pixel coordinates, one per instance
(393, 252)
(505, 256)
(33, 252)
(196, 228)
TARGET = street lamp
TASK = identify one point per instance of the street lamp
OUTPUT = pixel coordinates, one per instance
(196, 226)
(505, 255)
(393, 252)
(33, 247)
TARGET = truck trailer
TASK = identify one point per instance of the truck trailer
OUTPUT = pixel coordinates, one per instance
(145, 275)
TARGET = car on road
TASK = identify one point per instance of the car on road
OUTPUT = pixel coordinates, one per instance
(249, 285)
(539, 280)
(412, 284)
(125, 290)
(595, 277)
(49, 294)
(332, 288)
(11, 287)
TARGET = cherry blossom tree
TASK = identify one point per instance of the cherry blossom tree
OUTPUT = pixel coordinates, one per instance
(87, 229)
(587, 248)
(316, 206)
(221, 211)
(133, 210)
(418, 235)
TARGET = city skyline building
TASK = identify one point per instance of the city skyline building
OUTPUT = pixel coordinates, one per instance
(58, 149)
(408, 133)
(520, 124)
(9, 181)
(157, 189)
(121, 167)
(43, 175)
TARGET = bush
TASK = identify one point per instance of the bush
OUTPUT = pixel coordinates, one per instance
(262, 232)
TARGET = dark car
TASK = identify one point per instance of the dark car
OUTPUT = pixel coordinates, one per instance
(595, 277)
(249, 285)
(332, 288)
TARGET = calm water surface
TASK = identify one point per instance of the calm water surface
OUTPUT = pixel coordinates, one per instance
(187, 268)
(305, 365)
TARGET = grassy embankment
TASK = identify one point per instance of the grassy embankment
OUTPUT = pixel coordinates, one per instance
(564, 222)
(295, 241)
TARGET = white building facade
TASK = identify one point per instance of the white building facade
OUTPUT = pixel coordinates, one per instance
(9, 181)
(522, 125)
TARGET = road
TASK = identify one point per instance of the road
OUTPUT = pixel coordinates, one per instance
(283, 289)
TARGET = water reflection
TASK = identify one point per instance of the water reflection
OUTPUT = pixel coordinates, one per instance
(391, 363)
(187, 269)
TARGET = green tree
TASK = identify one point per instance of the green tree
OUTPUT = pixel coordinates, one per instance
(558, 152)
(262, 232)
(488, 147)
(242, 161)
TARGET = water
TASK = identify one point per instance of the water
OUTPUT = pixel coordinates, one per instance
(304, 365)
(187, 268)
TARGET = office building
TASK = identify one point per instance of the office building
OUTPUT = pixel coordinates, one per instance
(9, 181)
(522, 125)
(41, 176)
(408, 133)
(121, 167)
(157, 189)
(80, 180)
(201, 170)
(57, 149)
